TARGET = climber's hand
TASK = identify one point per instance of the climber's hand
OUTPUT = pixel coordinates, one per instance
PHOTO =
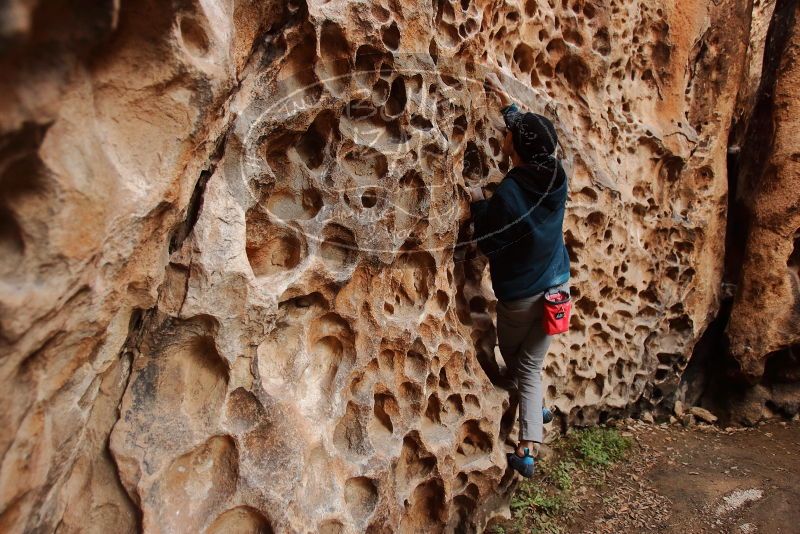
(476, 193)
(493, 85)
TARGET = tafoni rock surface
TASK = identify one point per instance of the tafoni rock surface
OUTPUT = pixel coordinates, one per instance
(237, 288)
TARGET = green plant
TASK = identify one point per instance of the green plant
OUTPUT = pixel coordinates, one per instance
(524, 496)
(536, 508)
(561, 474)
(550, 503)
(539, 498)
(600, 447)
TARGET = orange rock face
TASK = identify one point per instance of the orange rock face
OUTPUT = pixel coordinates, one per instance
(237, 289)
(766, 313)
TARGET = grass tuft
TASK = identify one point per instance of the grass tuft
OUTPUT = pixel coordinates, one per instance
(599, 447)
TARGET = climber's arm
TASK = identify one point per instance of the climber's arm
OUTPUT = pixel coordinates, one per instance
(492, 222)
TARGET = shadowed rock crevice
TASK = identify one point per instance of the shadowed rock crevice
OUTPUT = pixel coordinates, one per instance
(183, 229)
(751, 333)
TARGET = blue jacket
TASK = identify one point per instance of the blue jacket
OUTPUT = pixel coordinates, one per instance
(520, 230)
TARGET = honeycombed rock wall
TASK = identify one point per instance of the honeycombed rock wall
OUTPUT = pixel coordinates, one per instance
(237, 291)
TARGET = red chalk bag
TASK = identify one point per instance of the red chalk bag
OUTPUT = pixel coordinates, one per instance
(557, 306)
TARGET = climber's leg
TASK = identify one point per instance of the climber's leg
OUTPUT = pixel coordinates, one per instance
(530, 358)
(512, 328)
(524, 345)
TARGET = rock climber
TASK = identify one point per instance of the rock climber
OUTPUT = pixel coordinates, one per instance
(519, 229)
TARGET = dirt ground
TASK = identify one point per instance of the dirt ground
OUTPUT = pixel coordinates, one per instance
(701, 479)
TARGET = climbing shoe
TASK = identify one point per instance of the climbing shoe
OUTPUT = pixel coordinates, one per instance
(547, 415)
(523, 466)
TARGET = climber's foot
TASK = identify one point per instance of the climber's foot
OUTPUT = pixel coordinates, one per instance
(522, 465)
(547, 415)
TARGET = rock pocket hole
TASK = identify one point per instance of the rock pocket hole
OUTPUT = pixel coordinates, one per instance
(415, 83)
(380, 13)
(454, 408)
(367, 60)
(391, 36)
(442, 300)
(433, 409)
(575, 71)
(380, 92)
(421, 123)
(427, 509)
(240, 519)
(312, 144)
(349, 436)
(460, 126)
(473, 440)
(194, 36)
(671, 168)
(369, 198)
(556, 48)
(243, 410)
(574, 37)
(366, 164)
(24, 195)
(338, 249)
(191, 371)
(12, 244)
(326, 354)
(535, 81)
(361, 497)
(279, 253)
(415, 463)
(433, 51)
(288, 206)
(451, 81)
(474, 167)
(524, 57)
(531, 8)
(397, 97)
(271, 249)
(411, 281)
(601, 42)
(384, 408)
(415, 365)
(213, 465)
(334, 51)
(331, 526)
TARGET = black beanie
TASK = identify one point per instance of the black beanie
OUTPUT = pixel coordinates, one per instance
(534, 136)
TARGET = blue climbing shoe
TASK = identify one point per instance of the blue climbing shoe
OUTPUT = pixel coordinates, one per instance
(524, 466)
(547, 415)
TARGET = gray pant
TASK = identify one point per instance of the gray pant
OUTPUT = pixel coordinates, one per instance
(524, 345)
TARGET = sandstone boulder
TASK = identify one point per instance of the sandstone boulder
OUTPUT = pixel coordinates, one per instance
(237, 289)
